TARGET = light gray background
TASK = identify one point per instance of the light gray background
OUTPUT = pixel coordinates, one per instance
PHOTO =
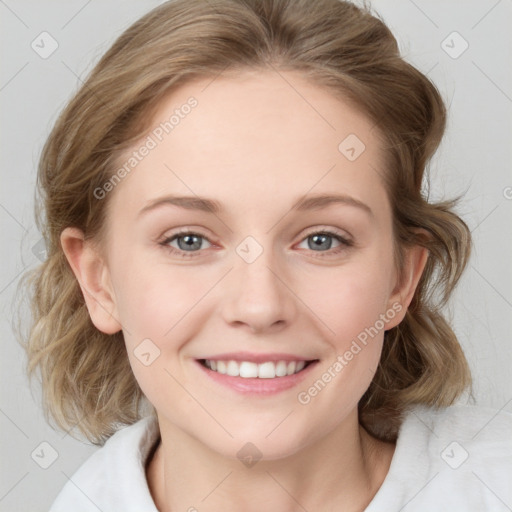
(475, 156)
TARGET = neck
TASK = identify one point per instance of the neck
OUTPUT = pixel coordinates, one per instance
(342, 471)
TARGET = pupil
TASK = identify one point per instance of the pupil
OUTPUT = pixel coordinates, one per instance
(319, 242)
(189, 242)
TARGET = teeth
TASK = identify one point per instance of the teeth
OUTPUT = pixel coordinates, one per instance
(248, 370)
(233, 369)
(281, 369)
(267, 370)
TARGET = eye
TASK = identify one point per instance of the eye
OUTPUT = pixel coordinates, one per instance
(322, 241)
(186, 242)
(189, 244)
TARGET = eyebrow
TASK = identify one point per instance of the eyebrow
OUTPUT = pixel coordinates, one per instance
(304, 203)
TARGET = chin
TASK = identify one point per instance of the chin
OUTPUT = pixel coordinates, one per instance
(264, 440)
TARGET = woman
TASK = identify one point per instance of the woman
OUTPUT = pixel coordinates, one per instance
(238, 242)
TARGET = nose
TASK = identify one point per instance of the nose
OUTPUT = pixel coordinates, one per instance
(257, 296)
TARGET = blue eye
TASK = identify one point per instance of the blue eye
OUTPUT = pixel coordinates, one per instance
(322, 241)
(186, 242)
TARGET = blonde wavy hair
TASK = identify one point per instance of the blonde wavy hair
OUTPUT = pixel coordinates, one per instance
(85, 374)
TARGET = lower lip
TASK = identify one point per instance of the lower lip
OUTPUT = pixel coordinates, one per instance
(256, 386)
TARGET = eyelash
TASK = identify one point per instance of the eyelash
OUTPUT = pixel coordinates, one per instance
(344, 243)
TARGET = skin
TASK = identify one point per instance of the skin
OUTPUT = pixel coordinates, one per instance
(255, 145)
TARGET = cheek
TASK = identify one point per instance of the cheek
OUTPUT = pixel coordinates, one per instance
(351, 310)
(155, 305)
(161, 310)
(153, 298)
(349, 300)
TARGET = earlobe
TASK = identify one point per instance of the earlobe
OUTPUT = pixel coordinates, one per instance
(93, 277)
(415, 260)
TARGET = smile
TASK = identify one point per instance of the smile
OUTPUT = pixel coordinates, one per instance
(256, 374)
(251, 370)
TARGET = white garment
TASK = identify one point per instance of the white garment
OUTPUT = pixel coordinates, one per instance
(456, 459)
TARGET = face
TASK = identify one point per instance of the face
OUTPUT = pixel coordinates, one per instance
(255, 239)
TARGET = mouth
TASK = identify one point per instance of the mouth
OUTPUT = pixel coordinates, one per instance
(251, 374)
(252, 370)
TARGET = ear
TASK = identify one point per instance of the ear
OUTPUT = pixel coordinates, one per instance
(415, 259)
(93, 276)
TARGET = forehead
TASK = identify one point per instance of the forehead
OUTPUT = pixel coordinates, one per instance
(253, 135)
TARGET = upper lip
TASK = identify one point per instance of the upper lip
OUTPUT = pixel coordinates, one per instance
(256, 358)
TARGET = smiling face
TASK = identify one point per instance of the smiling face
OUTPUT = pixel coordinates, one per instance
(248, 242)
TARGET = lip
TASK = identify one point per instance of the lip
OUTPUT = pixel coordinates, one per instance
(256, 386)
